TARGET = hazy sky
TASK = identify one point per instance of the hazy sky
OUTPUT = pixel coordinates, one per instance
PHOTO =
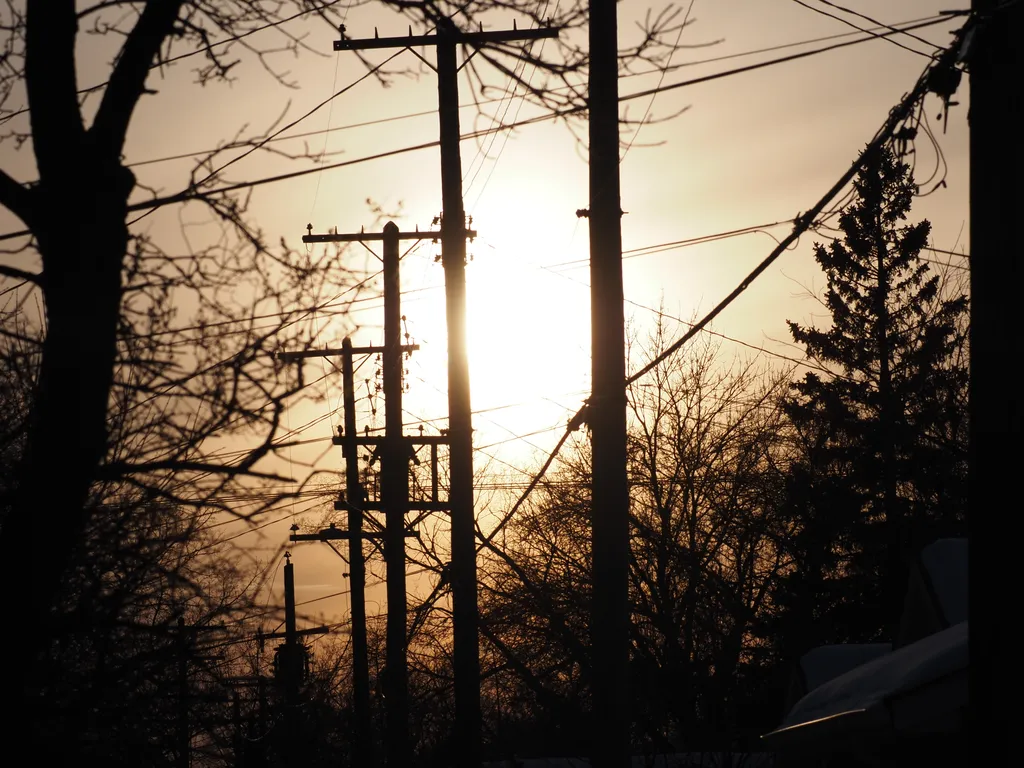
(752, 148)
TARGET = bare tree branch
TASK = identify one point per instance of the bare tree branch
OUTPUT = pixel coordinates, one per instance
(127, 82)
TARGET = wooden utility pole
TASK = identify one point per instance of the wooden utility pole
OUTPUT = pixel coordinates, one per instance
(395, 450)
(290, 666)
(465, 619)
(607, 406)
(354, 498)
(354, 501)
(454, 233)
(395, 498)
(996, 68)
(290, 656)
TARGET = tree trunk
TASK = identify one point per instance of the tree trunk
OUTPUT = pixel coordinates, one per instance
(82, 254)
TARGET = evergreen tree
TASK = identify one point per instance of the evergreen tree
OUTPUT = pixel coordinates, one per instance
(880, 465)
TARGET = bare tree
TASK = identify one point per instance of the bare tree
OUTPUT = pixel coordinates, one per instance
(126, 402)
(704, 448)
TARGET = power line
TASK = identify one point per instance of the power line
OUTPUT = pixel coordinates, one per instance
(329, 100)
(191, 194)
(802, 223)
(773, 62)
(899, 26)
(861, 29)
(852, 12)
(472, 104)
(676, 244)
(661, 80)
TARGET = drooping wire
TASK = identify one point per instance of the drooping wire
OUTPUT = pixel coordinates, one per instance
(189, 194)
(804, 222)
(849, 23)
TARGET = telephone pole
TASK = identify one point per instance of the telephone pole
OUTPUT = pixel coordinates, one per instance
(607, 407)
(454, 233)
(395, 497)
(354, 498)
(291, 661)
(395, 451)
(995, 66)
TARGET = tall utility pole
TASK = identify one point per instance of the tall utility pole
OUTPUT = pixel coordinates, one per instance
(395, 451)
(395, 498)
(290, 666)
(996, 68)
(607, 407)
(354, 501)
(460, 425)
(354, 498)
(466, 651)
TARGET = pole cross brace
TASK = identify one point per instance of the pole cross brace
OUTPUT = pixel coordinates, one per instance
(338, 352)
(360, 237)
(450, 36)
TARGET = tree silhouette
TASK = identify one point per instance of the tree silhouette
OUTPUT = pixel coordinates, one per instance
(880, 466)
(138, 359)
(705, 482)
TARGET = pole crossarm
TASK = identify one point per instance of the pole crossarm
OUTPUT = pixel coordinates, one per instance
(335, 534)
(417, 506)
(338, 352)
(298, 632)
(361, 237)
(374, 440)
(456, 36)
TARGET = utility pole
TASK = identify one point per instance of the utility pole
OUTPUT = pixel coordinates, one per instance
(290, 666)
(995, 116)
(607, 407)
(395, 450)
(454, 233)
(395, 497)
(354, 497)
(353, 501)
(290, 656)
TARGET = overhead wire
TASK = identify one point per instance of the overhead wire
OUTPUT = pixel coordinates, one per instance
(203, 49)
(195, 185)
(515, 118)
(189, 194)
(802, 223)
(840, 19)
(877, 23)
(482, 102)
(898, 26)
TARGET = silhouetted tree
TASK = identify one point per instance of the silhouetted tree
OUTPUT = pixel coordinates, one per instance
(880, 442)
(138, 358)
(704, 458)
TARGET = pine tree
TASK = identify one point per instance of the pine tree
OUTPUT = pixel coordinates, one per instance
(881, 441)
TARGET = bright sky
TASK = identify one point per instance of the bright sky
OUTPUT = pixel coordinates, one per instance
(752, 149)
